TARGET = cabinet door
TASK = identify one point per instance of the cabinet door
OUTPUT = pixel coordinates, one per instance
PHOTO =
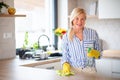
(116, 68)
(109, 9)
(103, 67)
(90, 7)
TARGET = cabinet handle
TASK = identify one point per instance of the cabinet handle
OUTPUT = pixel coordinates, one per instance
(52, 67)
(116, 72)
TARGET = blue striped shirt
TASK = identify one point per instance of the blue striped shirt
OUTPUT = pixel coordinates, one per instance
(75, 51)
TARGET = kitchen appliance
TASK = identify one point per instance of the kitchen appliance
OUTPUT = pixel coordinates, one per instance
(21, 52)
(40, 54)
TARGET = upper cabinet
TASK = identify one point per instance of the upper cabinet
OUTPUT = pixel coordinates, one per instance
(103, 9)
(90, 6)
(109, 9)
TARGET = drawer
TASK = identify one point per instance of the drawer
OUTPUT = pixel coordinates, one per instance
(116, 74)
(115, 66)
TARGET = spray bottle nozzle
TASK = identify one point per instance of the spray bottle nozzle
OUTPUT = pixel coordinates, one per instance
(89, 49)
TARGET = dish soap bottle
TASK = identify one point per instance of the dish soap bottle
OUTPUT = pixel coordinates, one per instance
(90, 59)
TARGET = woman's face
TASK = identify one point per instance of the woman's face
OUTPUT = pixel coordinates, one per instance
(79, 22)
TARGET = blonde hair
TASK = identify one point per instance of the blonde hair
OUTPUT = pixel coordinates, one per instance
(76, 12)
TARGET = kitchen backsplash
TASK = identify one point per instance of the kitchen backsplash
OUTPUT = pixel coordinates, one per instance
(108, 30)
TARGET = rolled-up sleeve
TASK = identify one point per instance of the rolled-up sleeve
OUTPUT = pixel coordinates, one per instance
(65, 49)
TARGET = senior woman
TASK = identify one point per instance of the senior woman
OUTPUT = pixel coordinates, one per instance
(76, 42)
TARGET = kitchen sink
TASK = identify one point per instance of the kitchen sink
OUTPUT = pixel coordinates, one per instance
(55, 55)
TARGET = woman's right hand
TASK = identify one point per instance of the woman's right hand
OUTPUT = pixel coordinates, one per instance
(93, 54)
(66, 68)
(65, 71)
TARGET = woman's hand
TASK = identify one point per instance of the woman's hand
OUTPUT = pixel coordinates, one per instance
(66, 68)
(65, 71)
(93, 54)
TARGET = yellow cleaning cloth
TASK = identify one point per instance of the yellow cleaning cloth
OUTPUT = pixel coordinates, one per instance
(66, 70)
(61, 73)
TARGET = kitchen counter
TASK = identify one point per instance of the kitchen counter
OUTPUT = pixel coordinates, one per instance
(115, 54)
(109, 64)
(14, 69)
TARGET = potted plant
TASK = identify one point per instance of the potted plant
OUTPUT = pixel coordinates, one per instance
(2, 4)
(26, 42)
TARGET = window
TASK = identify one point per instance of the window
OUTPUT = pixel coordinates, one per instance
(38, 21)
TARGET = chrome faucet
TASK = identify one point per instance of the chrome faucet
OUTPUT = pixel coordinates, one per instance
(39, 39)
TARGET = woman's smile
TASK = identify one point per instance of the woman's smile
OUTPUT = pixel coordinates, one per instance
(79, 22)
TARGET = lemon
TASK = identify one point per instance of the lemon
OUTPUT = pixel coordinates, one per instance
(11, 10)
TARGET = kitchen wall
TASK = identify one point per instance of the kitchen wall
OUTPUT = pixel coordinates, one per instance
(7, 34)
(108, 30)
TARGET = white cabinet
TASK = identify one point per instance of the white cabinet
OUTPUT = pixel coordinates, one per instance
(115, 68)
(108, 67)
(104, 9)
(103, 67)
(90, 6)
(53, 66)
(108, 9)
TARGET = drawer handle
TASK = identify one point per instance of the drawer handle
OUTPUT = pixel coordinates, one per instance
(52, 67)
(116, 72)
